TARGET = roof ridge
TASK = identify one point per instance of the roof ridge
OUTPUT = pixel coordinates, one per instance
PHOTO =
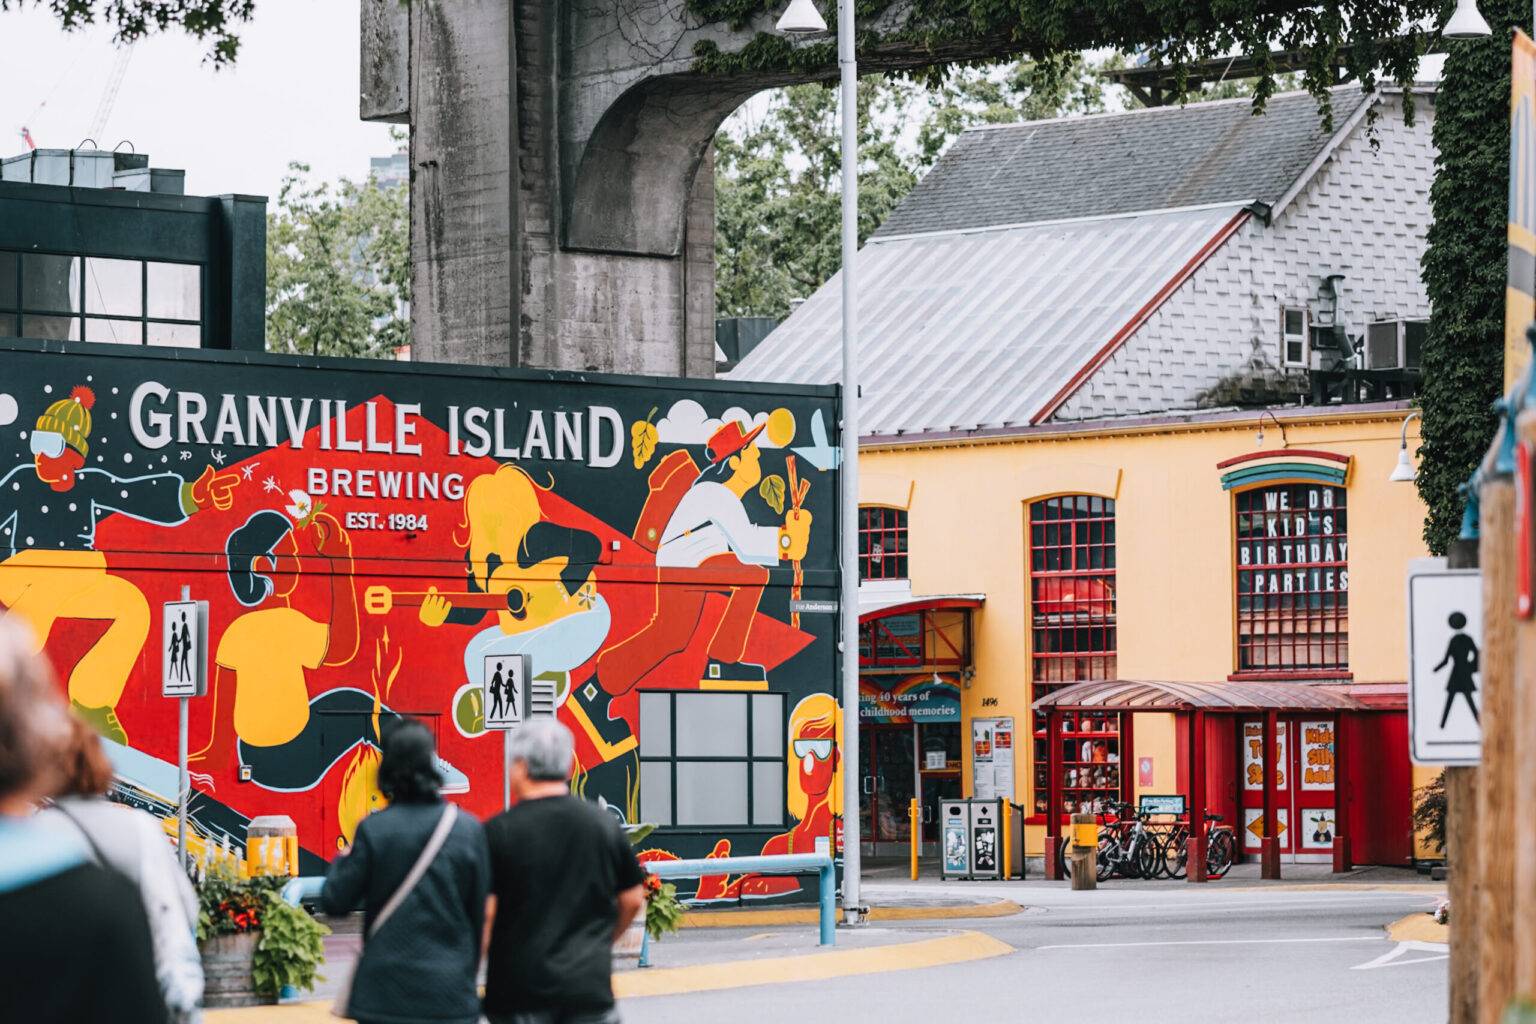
(1181, 108)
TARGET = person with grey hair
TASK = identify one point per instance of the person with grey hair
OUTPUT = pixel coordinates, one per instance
(565, 883)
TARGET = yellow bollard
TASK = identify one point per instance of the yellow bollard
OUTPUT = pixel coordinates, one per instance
(1007, 824)
(915, 816)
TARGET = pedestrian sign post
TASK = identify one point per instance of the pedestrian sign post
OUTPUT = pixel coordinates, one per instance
(183, 674)
(505, 701)
(1445, 639)
(504, 690)
(184, 647)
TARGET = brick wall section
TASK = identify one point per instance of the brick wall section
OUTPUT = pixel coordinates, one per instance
(1364, 215)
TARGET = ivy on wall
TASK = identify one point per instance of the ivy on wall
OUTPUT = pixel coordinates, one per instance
(1465, 267)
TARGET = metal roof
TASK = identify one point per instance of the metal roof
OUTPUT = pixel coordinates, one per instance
(980, 329)
(1226, 697)
(1156, 159)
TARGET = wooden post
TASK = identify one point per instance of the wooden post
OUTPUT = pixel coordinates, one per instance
(1497, 810)
(1053, 794)
(1195, 861)
(1522, 704)
(1269, 845)
(1461, 858)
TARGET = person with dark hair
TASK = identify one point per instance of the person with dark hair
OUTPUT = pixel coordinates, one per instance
(421, 872)
(132, 843)
(74, 942)
(566, 885)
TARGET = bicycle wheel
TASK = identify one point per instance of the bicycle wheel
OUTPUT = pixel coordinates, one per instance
(1149, 856)
(1175, 854)
(1219, 857)
(1064, 858)
(1106, 856)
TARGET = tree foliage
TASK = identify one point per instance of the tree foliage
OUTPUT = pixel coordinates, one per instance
(1368, 39)
(338, 268)
(778, 185)
(211, 21)
(1464, 267)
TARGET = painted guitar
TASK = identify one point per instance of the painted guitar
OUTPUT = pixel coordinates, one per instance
(523, 599)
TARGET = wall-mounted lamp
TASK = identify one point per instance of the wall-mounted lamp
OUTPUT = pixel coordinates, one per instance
(1404, 472)
(1259, 441)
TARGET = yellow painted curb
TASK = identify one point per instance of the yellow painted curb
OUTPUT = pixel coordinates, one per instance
(769, 916)
(666, 981)
(841, 963)
(1418, 928)
(292, 1013)
(1424, 887)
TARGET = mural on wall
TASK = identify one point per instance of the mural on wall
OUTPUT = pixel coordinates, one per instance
(367, 539)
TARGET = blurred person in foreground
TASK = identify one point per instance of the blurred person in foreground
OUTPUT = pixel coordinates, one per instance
(133, 844)
(75, 944)
(420, 871)
(565, 884)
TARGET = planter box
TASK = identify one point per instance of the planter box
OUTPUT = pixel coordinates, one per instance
(227, 971)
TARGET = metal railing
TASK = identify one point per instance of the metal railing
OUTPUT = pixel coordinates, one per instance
(781, 864)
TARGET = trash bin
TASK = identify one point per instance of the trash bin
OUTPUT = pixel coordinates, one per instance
(955, 834)
(986, 821)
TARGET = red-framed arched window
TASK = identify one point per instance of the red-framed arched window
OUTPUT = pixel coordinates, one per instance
(1292, 579)
(1072, 639)
(882, 543)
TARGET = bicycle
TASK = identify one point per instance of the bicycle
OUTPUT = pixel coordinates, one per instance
(1220, 849)
(1127, 847)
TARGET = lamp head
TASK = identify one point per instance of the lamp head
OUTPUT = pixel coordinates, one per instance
(1466, 22)
(1403, 472)
(801, 18)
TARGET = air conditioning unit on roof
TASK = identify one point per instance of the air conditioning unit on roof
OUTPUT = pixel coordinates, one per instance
(1394, 344)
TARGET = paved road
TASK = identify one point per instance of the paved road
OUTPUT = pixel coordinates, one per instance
(1148, 955)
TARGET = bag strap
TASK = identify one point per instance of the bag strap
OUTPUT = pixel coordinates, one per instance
(428, 853)
(90, 840)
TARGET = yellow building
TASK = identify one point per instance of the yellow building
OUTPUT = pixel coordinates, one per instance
(1164, 558)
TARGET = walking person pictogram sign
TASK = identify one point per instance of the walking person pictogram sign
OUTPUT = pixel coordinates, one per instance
(1445, 639)
(184, 649)
(505, 690)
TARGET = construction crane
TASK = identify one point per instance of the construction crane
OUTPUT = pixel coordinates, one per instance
(109, 94)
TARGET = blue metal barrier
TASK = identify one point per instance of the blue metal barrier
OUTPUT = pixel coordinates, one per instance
(302, 888)
(783, 864)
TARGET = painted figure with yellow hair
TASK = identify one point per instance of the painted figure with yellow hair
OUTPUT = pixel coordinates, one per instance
(49, 566)
(534, 575)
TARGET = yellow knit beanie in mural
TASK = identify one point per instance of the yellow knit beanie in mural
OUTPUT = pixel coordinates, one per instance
(70, 418)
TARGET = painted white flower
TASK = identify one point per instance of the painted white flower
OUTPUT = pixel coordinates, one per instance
(302, 505)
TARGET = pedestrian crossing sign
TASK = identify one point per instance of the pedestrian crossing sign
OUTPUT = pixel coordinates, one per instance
(505, 686)
(1445, 639)
(184, 649)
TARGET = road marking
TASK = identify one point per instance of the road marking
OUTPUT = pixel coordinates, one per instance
(1212, 942)
(1391, 957)
(904, 956)
(1206, 908)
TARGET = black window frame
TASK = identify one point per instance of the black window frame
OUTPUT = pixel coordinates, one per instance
(13, 315)
(672, 760)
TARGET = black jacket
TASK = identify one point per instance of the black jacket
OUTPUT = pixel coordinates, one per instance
(421, 965)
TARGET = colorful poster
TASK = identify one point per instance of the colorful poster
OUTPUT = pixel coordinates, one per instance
(992, 758)
(898, 700)
(1253, 755)
(1519, 304)
(1317, 765)
(1317, 828)
(370, 537)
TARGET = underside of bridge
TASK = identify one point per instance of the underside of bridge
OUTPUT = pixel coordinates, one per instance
(562, 189)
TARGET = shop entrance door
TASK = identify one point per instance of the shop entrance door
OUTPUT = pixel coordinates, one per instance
(1304, 802)
(885, 789)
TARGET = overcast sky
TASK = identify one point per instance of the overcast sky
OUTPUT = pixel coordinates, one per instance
(292, 95)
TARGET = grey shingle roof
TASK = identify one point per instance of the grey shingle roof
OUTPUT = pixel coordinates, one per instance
(1157, 159)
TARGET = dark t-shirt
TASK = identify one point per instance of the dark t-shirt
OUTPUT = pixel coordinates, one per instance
(75, 947)
(557, 867)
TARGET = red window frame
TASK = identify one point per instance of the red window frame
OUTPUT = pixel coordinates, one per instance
(882, 543)
(1073, 638)
(1291, 580)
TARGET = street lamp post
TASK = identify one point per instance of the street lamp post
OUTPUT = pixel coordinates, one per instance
(801, 17)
